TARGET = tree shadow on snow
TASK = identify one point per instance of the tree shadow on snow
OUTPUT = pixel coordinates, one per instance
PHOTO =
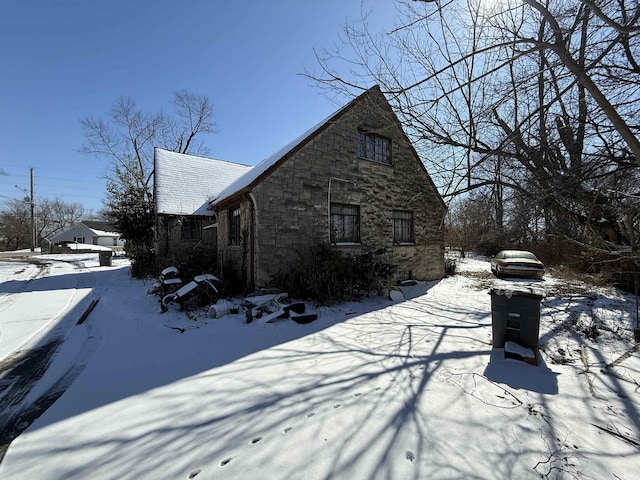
(400, 379)
(520, 375)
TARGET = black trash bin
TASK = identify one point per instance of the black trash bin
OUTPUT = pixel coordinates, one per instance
(515, 317)
(105, 258)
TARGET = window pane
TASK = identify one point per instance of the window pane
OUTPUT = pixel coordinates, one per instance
(234, 226)
(345, 223)
(362, 145)
(191, 229)
(402, 226)
(374, 147)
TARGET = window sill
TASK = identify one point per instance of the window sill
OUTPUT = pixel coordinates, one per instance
(405, 244)
(346, 244)
(390, 164)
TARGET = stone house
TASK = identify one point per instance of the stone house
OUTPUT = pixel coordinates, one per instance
(183, 185)
(353, 181)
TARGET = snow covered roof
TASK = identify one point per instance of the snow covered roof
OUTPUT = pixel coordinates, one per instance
(248, 179)
(184, 183)
(100, 228)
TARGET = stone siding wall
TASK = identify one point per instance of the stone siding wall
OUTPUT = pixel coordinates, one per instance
(292, 203)
(171, 248)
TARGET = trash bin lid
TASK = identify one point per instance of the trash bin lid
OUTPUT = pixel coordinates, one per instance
(527, 292)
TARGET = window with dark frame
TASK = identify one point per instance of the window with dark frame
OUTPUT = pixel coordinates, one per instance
(402, 226)
(191, 229)
(345, 223)
(234, 225)
(374, 147)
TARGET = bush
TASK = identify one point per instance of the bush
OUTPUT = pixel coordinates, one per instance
(190, 261)
(328, 276)
(143, 260)
(449, 267)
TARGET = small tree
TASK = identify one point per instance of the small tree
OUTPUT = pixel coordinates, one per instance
(132, 212)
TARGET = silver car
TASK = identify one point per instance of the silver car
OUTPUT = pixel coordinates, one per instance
(517, 262)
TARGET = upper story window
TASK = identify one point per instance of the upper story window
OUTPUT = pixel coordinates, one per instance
(402, 227)
(191, 229)
(374, 147)
(234, 225)
(345, 223)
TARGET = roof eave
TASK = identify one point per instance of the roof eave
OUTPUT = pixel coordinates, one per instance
(218, 203)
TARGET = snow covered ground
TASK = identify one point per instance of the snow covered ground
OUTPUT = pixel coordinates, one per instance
(376, 389)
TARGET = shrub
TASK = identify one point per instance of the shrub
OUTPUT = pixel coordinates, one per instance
(449, 267)
(328, 276)
(142, 257)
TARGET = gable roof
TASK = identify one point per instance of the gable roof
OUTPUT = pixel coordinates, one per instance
(262, 169)
(101, 227)
(184, 183)
(252, 177)
(97, 228)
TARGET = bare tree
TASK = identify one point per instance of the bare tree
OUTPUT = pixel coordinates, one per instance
(126, 138)
(55, 216)
(538, 100)
(51, 217)
(15, 225)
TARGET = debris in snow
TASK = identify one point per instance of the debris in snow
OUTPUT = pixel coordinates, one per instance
(396, 295)
(584, 356)
(298, 307)
(257, 305)
(513, 347)
(619, 435)
(168, 282)
(303, 318)
(86, 313)
(219, 309)
(179, 329)
(263, 299)
(270, 317)
(202, 287)
(515, 350)
(269, 307)
(169, 272)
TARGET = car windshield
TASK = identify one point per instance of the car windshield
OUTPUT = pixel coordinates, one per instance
(520, 254)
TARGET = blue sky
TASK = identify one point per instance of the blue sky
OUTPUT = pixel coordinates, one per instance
(62, 60)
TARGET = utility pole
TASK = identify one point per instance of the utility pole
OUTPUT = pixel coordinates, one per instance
(33, 216)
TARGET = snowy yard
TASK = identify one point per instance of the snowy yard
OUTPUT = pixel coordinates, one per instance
(377, 389)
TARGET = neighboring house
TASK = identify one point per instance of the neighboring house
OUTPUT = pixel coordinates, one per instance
(91, 232)
(183, 184)
(353, 181)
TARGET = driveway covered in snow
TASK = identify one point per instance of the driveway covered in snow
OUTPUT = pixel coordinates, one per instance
(41, 300)
(406, 389)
